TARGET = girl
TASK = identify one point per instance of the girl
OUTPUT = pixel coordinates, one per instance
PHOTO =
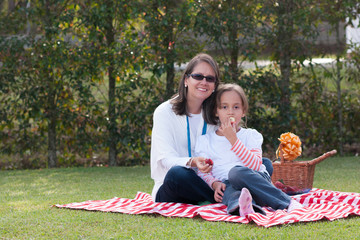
(238, 177)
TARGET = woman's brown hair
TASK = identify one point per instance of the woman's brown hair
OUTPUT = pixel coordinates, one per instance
(179, 100)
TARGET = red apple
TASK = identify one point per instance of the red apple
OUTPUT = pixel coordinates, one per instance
(209, 161)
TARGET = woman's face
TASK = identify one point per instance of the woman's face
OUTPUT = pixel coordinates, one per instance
(199, 90)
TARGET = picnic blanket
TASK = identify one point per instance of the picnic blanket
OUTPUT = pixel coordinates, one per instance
(318, 204)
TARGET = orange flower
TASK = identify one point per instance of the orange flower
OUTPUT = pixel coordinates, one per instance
(290, 146)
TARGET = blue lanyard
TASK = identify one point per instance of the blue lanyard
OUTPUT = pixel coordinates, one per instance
(188, 133)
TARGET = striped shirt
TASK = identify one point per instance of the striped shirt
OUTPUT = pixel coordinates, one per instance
(245, 152)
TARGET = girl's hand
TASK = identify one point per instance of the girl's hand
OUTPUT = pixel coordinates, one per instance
(200, 163)
(219, 189)
(228, 129)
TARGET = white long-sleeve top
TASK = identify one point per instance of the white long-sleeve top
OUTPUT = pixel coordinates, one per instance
(169, 144)
(245, 152)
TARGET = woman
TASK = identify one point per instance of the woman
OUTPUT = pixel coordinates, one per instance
(176, 125)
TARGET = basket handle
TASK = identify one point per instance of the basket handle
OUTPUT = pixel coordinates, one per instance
(322, 157)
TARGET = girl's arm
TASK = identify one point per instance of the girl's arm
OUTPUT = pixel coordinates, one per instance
(215, 184)
(250, 157)
(207, 177)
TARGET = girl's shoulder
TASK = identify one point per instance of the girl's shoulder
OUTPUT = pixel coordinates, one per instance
(206, 138)
(250, 132)
(250, 137)
(211, 128)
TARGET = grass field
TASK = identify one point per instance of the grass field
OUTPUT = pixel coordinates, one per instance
(26, 197)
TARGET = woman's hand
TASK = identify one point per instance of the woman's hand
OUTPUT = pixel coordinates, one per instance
(228, 129)
(200, 163)
(219, 189)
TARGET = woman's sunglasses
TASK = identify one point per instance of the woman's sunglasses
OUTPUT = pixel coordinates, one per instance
(200, 77)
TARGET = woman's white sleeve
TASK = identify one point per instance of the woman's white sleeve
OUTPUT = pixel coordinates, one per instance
(164, 149)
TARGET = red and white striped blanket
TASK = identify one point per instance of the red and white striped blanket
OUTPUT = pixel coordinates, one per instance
(319, 204)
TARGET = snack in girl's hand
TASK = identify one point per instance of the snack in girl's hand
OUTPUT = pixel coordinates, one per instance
(209, 161)
(232, 120)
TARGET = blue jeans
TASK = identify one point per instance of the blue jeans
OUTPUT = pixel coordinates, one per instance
(268, 164)
(183, 185)
(263, 192)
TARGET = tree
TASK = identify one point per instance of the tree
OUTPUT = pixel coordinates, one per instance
(334, 13)
(232, 26)
(41, 80)
(108, 29)
(166, 23)
(288, 31)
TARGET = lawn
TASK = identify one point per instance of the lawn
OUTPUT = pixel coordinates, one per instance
(26, 197)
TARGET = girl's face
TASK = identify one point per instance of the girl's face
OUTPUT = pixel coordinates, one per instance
(230, 107)
(199, 90)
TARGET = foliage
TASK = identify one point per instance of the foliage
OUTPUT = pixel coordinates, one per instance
(317, 113)
(43, 82)
(116, 47)
(289, 28)
(230, 27)
(334, 13)
(314, 119)
(263, 93)
(167, 24)
(353, 67)
(81, 79)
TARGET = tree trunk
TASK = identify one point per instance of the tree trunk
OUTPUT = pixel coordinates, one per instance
(338, 89)
(52, 159)
(52, 109)
(11, 6)
(112, 119)
(112, 140)
(170, 75)
(170, 59)
(285, 69)
(234, 51)
(284, 39)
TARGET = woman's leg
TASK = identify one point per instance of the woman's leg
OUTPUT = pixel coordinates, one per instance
(264, 193)
(268, 164)
(183, 185)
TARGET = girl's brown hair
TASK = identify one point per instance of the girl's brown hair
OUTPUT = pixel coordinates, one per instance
(179, 100)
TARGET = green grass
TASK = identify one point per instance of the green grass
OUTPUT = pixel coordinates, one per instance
(26, 197)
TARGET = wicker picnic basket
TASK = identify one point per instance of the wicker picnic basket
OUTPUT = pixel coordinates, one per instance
(297, 173)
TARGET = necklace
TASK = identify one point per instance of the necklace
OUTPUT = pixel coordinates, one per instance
(188, 133)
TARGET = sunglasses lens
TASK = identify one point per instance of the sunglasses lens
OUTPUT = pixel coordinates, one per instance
(200, 77)
(197, 76)
(210, 79)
